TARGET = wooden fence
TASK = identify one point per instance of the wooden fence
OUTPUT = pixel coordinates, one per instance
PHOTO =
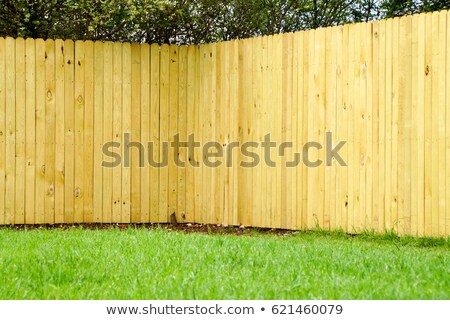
(384, 87)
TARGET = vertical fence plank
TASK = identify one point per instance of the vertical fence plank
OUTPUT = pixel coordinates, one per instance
(340, 133)
(182, 130)
(293, 166)
(364, 127)
(299, 76)
(404, 126)
(315, 154)
(190, 120)
(10, 164)
(321, 54)
(286, 130)
(59, 131)
(313, 177)
(30, 122)
(395, 114)
(388, 125)
(349, 35)
(447, 137)
(117, 132)
(3, 132)
(361, 125)
(382, 167)
(375, 121)
(154, 134)
(197, 132)
(50, 128)
(20, 72)
(291, 131)
(40, 132)
(435, 124)
(245, 121)
(164, 133)
(414, 137)
(225, 104)
(269, 97)
(107, 129)
(98, 132)
(220, 135)
(305, 127)
(88, 168)
(278, 127)
(255, 120)
(145, 131)
(79, 132)
(50, 132)
(196, 117)
(442, 67)
(108, 101)
(204, 117)
(126, 129)
(420, 123)
(218, 178)
(135, 150)
(217, 137)
(234, 132)
(428, 124)
(355, 134)
(265, 106)
(69, 124)
(369, 162)
(212, 65)
(173, 129)
(285, 116)
(330, 209)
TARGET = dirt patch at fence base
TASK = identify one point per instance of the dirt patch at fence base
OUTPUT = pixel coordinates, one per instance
(187, 228)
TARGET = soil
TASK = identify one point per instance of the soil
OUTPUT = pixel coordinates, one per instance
(186, 228)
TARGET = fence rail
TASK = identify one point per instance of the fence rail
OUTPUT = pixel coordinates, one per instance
(383, 87)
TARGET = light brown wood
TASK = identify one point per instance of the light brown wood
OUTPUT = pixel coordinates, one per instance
(79, 131)
(145, 131)
(69, 127)
(59, 131)
(30, 128)
(19, 206)
(98, 133)
(88, 132)
(117, 131)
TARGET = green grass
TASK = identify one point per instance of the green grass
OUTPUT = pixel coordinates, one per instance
(160, 264)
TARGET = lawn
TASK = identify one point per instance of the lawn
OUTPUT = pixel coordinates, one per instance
(161, 264)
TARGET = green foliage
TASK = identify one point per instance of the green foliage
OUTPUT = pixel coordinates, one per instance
(190, 21)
